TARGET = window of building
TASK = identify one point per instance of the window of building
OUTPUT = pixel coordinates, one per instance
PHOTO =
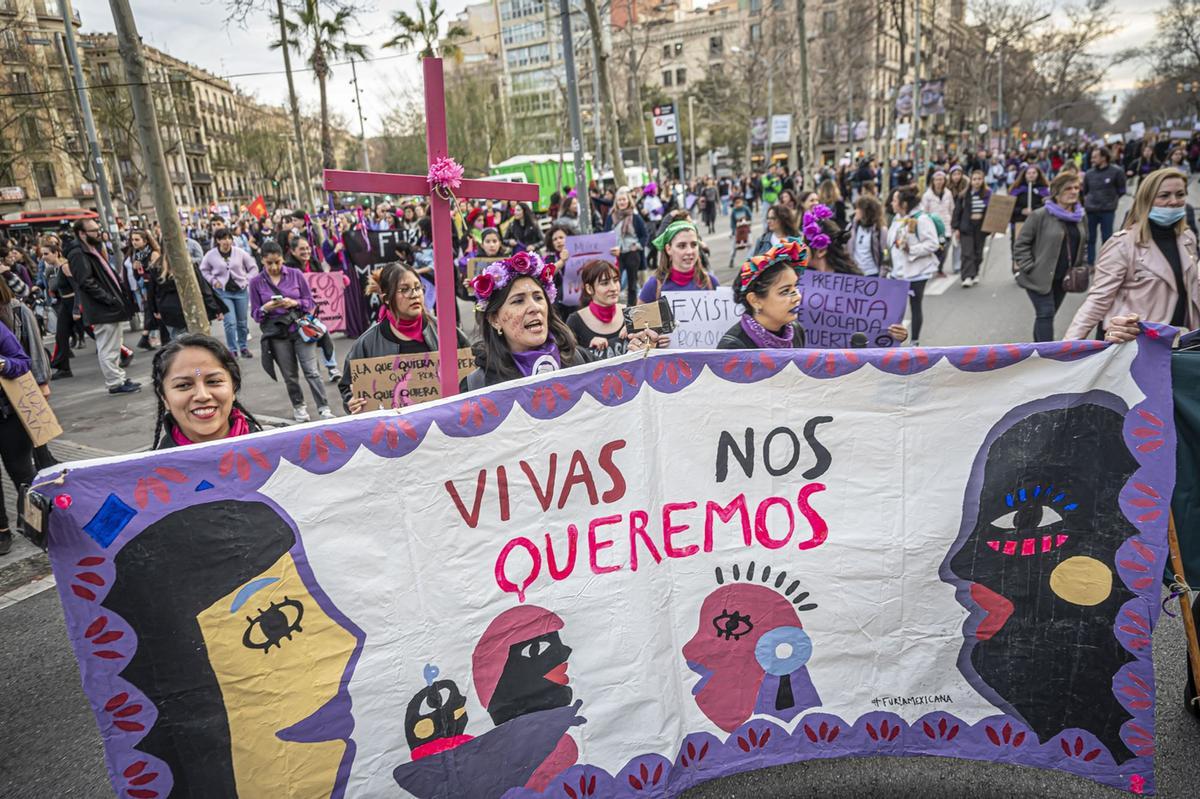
(105, 72)
(716, 70)
(8, 38)
(715, 45)
(524, 56)
(756, 32)
(525, 32)
(680, 76)
(755, 6)
(666, 51)
(678, 48)
(515, 9)
(43, 177)
(667, 77)
(31, 131)
(20, 82)
(829, 22)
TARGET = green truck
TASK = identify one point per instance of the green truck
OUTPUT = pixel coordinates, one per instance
(542, 170)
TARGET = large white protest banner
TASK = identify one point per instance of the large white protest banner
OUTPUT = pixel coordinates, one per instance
(633, 576)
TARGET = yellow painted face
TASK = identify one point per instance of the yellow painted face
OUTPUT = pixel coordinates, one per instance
(278, 658)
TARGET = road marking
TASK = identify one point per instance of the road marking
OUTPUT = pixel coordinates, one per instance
(30, 589)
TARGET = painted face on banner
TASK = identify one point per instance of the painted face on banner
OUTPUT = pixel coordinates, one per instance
(279, 659)
(1038, 566)
(733, 620)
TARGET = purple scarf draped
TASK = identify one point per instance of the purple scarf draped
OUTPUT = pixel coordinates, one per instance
(1058, 212)
(764, 338)
(544, 359)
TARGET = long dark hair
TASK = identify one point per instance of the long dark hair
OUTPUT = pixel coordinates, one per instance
(162, 364)
(786, 218)
(492, 352)
(838, 254)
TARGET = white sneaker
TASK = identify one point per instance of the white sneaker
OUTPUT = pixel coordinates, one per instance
(334, 375)
(300, 413)
(325, 412)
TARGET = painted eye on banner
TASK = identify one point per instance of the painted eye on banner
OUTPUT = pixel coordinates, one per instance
(272, 625)
(534, 649)
(427, 707)
(1034, 517)
(732, 626)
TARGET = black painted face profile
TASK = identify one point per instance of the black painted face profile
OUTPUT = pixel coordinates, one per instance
(1037, 569)
(534, 678)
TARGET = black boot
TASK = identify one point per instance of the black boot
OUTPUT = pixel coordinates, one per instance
(144, 342)
(5, 541)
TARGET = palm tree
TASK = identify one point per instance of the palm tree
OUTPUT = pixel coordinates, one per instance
(320, 41)
(426, 28)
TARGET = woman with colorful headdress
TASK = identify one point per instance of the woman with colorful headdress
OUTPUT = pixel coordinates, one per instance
(521, 333)
(766, 286)
(680, 263)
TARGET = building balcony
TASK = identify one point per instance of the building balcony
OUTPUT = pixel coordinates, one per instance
(8, 7)
(201, 177)
(178, 177)
(195, 148)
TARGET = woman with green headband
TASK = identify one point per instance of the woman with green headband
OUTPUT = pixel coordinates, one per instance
(680, 267)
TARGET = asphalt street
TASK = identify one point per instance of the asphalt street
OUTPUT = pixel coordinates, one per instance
(50, 747)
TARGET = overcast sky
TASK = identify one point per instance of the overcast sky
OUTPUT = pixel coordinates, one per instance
(195, 31)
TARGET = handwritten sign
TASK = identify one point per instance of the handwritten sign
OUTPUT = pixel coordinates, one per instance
(593, 247)
(833, 307)
(36, 414)
(329, 293)
(702, 317)
(477, 265)
(397, 381)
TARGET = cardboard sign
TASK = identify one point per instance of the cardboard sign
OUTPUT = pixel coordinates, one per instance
(702, 317)
(36, 414)
(999, 213)
(475, 265)
(329, 293)
(655, 570)
(834, 307)
(397, 381)
(582, 249)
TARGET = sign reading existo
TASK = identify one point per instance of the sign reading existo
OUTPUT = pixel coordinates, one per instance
(638, 575)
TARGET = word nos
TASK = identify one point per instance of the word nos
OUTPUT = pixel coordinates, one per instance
(836, 306)
(658, 532)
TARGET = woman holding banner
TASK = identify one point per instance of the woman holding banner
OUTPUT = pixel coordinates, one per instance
(680, 265)
(196, 380)
(600, 325)
(405, 327)
(521, 333)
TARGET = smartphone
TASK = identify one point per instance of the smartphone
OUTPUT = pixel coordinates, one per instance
(276, 298)
(654, 316)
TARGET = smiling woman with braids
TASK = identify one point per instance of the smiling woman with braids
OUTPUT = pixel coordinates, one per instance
(196, 380)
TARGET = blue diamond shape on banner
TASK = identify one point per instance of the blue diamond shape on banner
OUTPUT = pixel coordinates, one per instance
(203, 485)
(109, 521)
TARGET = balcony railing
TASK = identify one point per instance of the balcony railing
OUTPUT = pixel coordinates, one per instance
(194, 148)
(201, 177)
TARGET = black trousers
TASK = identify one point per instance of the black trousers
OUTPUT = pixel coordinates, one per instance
(629, 264)
(916, 293)
(16, 453)
(61, 359)
(1045, 306)
(972, 252)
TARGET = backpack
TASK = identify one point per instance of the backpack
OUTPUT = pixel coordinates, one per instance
(938, 223)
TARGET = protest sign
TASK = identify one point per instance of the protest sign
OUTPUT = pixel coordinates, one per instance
(381, 247)
(329, 293)
(475, 265)
(999, 213)
(1137, 130)
(834, 307)
(397, 381)
(702, 317)
(652, 571)
(1180, 134)
(35, 413)
(592, 247)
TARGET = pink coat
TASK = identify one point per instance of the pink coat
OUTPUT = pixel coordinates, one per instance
(1132, 278)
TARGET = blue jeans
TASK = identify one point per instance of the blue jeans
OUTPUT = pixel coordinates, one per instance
(237, 311)
(1103, 221)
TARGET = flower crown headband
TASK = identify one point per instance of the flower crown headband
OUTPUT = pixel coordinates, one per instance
(812, 226)
(792, 251)
(499, 274)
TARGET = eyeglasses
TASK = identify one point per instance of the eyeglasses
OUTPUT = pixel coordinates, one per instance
(410, 291)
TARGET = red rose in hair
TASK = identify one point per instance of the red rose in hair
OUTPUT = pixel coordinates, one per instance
(483, 285)
(548, 273)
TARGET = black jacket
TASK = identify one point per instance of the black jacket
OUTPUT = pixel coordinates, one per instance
(162, 298)
(735, 338)
(376, 343)
(103, 301)
(484, 377)
(962, 221)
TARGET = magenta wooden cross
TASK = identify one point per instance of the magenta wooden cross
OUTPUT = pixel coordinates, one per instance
(440, 210)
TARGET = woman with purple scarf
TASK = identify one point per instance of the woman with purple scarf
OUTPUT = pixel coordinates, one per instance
(520, 332)
(766, 288)
(1051, 242)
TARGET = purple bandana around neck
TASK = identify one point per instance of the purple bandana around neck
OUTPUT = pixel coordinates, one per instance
(539, 361)
(1058, 212)
(764, 338)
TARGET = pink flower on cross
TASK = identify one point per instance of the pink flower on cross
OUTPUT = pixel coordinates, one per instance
(445, 174)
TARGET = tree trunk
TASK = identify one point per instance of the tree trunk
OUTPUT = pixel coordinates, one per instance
(602, 58)
(130, 47)
(327, 159)
(305, 190)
